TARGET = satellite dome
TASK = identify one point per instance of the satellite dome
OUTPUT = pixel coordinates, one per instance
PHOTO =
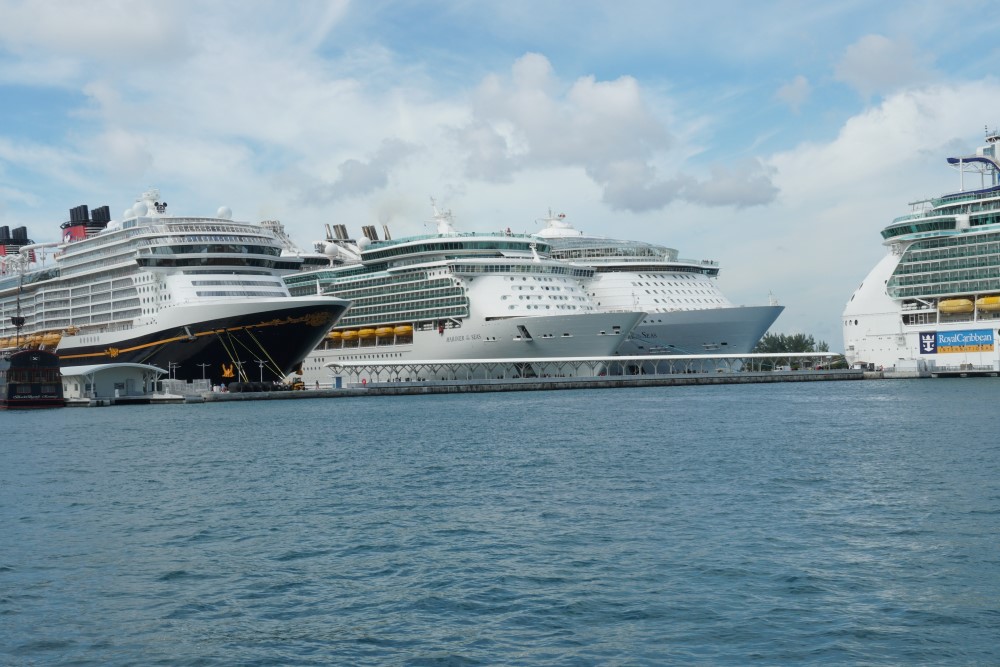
(139, 209)
(225, 213)
(364, 242)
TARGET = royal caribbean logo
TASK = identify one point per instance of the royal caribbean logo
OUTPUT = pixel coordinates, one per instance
(928, 342)
(947, 342)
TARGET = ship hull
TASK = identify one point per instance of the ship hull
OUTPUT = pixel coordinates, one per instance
(734, 330)
(556, 336)
(220, 342)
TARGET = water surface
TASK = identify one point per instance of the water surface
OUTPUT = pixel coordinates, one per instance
(823, 523)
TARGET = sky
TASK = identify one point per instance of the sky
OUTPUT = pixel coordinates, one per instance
(777, 138)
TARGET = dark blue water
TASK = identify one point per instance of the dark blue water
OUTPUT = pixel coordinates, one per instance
(826, 523)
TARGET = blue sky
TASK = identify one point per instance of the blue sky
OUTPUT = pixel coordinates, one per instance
(777, 138)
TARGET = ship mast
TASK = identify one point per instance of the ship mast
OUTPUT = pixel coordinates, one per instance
(18, 319)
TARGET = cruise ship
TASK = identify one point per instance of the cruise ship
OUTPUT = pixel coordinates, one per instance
(686, 313)
(199, 297)
(452, 296)
(933, 301)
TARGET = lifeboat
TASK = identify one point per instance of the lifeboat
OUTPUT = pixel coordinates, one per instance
(71, 331)
(334, 335)
(955, 305)
(3, 343)
(990, 304)
(349, 335)
(34, 340)
(383, 332)
(403, 330)
(51, 339)
(366, 333)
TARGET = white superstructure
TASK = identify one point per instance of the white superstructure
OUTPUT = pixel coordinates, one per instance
(455, 295)
(933, 301)
(686, 313)
(197, 296)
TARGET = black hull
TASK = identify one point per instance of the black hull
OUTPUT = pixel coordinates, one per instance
(217, 350)
(32, 403)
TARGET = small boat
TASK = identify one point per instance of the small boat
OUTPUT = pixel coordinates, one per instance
(350, 335)
(366, 333)
(403, 330)
(334, 335)
(956, 306)
(383, 332)
(30, 379)
(988, 304)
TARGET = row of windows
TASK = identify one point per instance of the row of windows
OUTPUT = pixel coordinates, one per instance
(625, 252)
(408, 297)
(936, 225)
(488, 244)
(241, 293)
(452, 311)
(415, 305)
(399, 289)
(202, 248)
(944, 289)
(171, 262)
(542, 269)
(262, 283)
(330, 281)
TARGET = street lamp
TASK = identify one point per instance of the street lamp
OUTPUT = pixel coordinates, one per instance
(172, 369)
(260, 363)
(203, 367)
(239, 371)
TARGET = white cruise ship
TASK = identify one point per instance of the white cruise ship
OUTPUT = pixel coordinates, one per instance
(199, 297)
(451, 296)
(933, 301)
(685, 311)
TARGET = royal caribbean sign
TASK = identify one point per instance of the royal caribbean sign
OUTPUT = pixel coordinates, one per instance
(945, 342)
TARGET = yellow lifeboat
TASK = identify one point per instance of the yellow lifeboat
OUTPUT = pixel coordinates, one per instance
(989, 304)
(34, 340)
(383, 332)
(403, 330)
(71, 331)
(349, 335)
(51, 339)
(334, 335)
(3, 343)
(366, 333)
(955, 305)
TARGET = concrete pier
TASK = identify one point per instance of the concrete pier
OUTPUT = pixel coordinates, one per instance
(544, 384)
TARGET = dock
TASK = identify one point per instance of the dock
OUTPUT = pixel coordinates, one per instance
(381, 378)
(543, 384)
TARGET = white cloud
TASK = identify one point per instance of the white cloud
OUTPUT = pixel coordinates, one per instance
(605, 128)
(876, 65)
(104, 30)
